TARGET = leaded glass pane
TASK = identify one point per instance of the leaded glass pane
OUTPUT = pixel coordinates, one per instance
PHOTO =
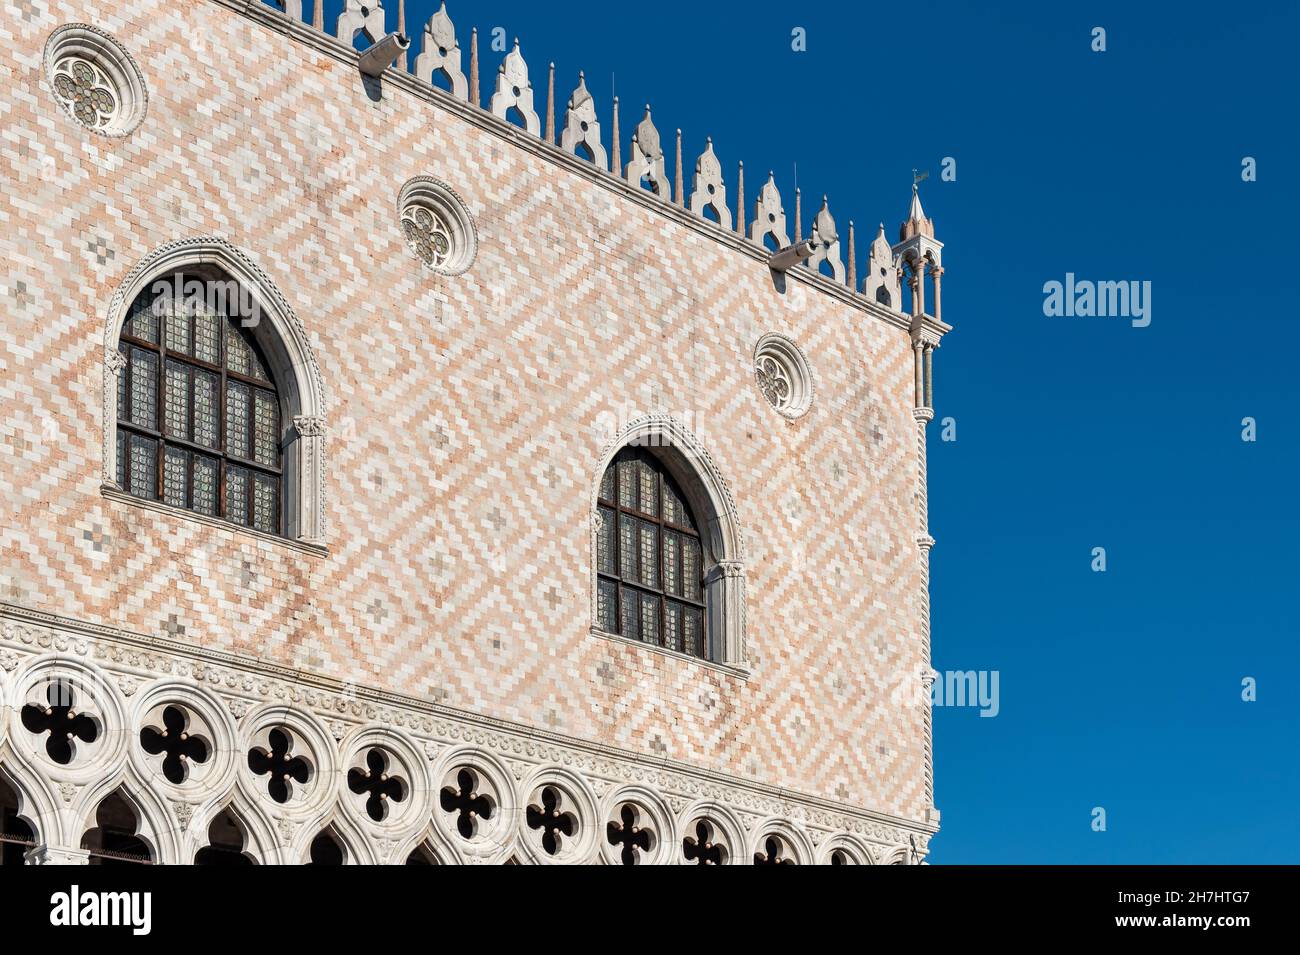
(207, 336)
(255, 366)
(649, 619)
(144, 388)
(121, 459)
(631, 614)
(238, 414)
(690, 568)
(206, 385)
(673, 625)
(649, 554)
(672, 562)
(266, 428)
(178, 329)
(674, 509)
(627, 484)
(266, 503)
(143, 322)
(607, 606)
(203, 490)
(649, 481)
(144, 467)
(176, 402)
(122, 376)
(605, 542)
(627, 547)
(693, 631)
(239, 357)
(237, 495)
(607, 485)
(175, 468)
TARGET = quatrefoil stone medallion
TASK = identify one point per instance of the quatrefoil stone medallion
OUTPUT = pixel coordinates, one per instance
(782, 374)
(95, 80)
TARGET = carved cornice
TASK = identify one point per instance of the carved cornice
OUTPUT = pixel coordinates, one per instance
(408, 83)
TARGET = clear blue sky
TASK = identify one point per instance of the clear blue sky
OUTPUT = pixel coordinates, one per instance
(1123, 689)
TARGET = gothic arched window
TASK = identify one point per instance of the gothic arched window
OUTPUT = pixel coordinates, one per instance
(650, 566)
(199, 418)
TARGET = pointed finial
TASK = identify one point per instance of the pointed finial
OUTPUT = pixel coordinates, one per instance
(401, 28)
(473, 66)
(617, 162)
(678, 186)
(798, 215)
(853, 260)
(318, 15)
(740, 199)
(550, 106)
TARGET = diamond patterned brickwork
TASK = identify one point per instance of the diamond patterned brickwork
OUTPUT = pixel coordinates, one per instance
(463, 574)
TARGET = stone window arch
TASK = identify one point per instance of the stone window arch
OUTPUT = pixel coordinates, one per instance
(17, 834)
(230, 330)
(690, 531)
(116, 838)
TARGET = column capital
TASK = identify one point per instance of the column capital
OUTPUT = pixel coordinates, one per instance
(115, 360)
(309, 426)
(45, 855)
(925, 541)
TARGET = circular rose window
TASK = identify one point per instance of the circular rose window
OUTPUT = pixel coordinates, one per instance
(783, 375)
(95, 80)
(437, 226)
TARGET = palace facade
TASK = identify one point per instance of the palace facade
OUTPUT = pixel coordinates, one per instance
(404, 466)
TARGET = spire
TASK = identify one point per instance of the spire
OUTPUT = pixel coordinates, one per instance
(853, 260)
(740, 199)
(617, 162)
(550, 105)
(401, 28)
(917, 222)
(473, 66)
(798, 215)
(678, 186)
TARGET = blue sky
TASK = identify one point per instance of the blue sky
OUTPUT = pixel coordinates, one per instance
(1119, 689)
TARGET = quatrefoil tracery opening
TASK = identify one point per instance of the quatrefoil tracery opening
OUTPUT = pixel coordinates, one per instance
(627, 833)
(175, 744)
(554, 823)
(772, 381)
(427, 234)
(704, 848)
(276, 762)
(376, 784)
(85, 91)
(62, 722)
(774, 852)
(466, 800)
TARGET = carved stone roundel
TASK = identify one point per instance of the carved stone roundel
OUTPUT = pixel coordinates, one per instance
(95, 80)
(783, 376)
(437, 226)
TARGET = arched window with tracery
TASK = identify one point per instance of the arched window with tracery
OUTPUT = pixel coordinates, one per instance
(200, 423)
(650, 564)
